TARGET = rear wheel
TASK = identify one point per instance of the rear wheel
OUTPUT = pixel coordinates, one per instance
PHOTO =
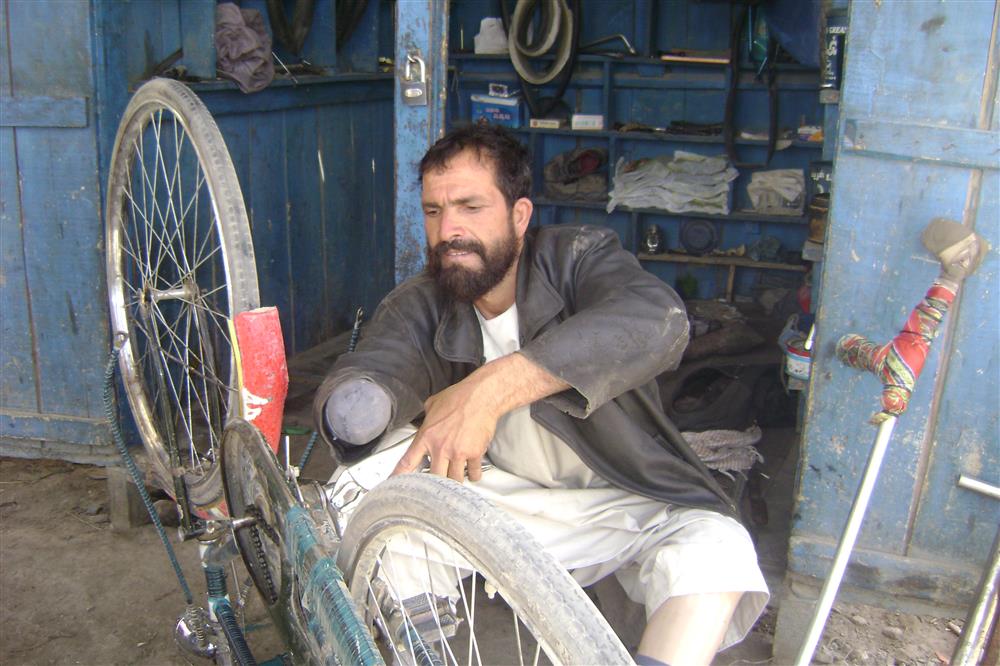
(443, 576)
(180, 264)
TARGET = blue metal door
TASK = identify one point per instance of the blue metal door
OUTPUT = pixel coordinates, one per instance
(918, 139)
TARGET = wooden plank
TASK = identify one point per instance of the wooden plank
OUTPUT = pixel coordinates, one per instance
(420, 27)
(64, 258)
(223, 98)
(54, 428)
(937, 65)
(266, 194)
(950, 519)
(367, 270)
(43, 112)
(343, 150)
(49, 46)
(5, 56)
(17, 368)
(360, 53)
(722, 261)
(934, 579)
(922, 142)
(197, 24)
(305, 228)
(380, 223)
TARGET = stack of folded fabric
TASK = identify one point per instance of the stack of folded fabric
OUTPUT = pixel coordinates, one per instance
(686, 183)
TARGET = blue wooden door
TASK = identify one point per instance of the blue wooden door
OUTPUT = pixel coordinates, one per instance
(421, 30)
(918, 139)
(53, 318)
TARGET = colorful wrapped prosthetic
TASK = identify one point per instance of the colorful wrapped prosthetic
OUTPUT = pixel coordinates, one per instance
(898, 363)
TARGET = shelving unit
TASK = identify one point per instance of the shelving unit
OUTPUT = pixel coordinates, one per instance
(646, 90)
(731, 262)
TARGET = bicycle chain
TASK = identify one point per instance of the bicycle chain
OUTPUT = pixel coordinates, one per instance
(258, 547)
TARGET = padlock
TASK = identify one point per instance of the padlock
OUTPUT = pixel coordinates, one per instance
(414, 90)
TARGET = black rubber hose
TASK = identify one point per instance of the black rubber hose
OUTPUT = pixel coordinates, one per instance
(536, 105)
(234, 635)
(215, 584)
(116, 433)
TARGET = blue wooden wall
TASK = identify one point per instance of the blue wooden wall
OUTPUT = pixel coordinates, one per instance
(919, 140)
(323, 238)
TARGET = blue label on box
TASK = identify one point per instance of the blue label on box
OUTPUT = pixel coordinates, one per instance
(497, 110)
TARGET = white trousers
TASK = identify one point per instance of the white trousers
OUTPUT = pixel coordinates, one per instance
(656, 550)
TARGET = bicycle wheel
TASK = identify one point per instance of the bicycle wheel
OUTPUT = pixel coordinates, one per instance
(421, 554)
(180, 263)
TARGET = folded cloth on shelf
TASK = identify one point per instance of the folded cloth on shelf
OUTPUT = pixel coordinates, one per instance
(685, 183)
(777, 192)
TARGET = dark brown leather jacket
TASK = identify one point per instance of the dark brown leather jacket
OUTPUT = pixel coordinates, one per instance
(591, 316)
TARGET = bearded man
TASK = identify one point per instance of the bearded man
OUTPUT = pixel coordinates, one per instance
(539, 349)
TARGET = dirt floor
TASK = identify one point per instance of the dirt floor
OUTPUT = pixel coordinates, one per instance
(72, 591)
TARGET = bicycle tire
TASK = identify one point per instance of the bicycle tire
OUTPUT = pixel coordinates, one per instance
(177, 366)
(537, 589)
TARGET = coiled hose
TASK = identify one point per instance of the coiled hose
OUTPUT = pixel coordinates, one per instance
(215, 579)
(558, 20)
(116, 432)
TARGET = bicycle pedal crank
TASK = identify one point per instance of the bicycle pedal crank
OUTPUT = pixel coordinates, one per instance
(417, 617)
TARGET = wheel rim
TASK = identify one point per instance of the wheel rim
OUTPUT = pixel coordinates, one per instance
(170, 281)
(416, 627)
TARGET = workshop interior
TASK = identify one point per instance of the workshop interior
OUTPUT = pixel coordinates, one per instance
(788, 168)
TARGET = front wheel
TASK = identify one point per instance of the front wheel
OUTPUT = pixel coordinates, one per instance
(180, 264)
(443, 576)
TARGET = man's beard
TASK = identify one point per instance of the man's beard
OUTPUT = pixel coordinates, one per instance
(466, 285)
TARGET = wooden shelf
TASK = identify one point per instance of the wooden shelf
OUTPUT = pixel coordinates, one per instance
(664, 137)
(713, 260)
(735, 216)
(732, 263)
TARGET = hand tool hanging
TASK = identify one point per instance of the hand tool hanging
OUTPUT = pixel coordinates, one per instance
(558, 26)
(761, 50)
(897, 363)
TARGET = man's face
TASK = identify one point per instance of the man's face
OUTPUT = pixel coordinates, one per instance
(472, 237)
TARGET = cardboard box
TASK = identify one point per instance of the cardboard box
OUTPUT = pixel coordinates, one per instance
(505, 111)
(585, 121)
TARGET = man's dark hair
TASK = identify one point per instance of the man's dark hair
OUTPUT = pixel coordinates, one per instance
(492, 144)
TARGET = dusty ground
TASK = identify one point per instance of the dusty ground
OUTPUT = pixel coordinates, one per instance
(74, 592)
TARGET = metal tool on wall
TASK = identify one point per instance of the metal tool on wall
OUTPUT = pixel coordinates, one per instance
(983, 613)
(898, 364)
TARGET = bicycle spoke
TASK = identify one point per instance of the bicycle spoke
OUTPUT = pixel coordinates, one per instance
(432, 601)
(398, 601)
(469, 614)
(381, 614)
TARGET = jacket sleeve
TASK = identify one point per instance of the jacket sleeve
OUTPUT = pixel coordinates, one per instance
(624, 325)
(388, 355)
